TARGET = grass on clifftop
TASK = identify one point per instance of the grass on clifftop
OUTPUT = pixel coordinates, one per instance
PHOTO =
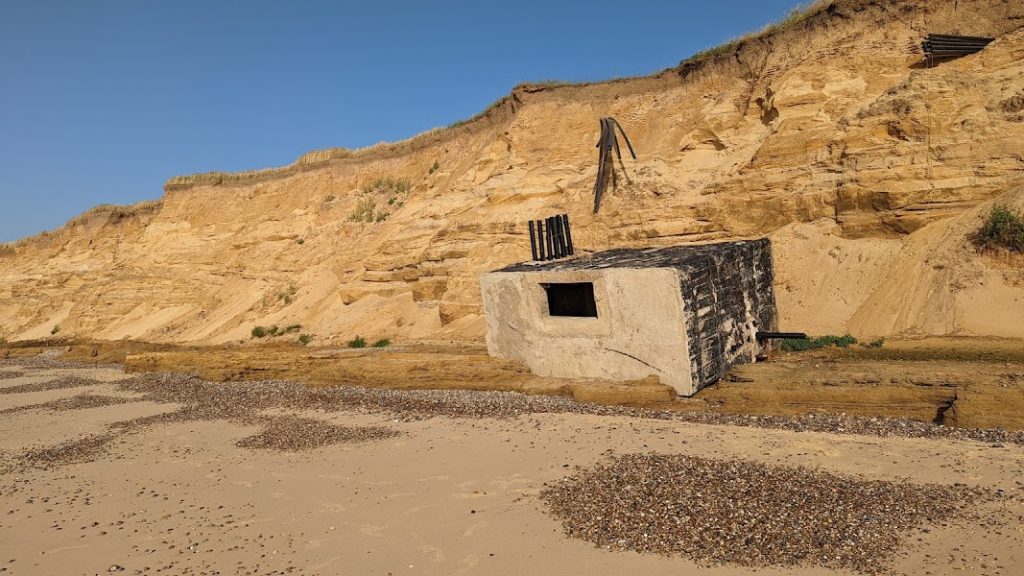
(796, 15)
(1003, 230)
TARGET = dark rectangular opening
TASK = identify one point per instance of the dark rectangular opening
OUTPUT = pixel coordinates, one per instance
(571, 299)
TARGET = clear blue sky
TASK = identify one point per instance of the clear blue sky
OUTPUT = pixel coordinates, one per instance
(102, 100)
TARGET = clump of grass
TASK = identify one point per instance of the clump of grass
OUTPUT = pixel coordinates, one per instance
(877, 343)
(55, 329)
(301, 241)
(382, 343)
(330, 198)
(274, 331)
(714, 51)
(492, 106)
(796, 345)
(357, 342)
(434, 168)
(387, 185)
(1003, 230)
(305, 339)
(364, 210)
(796, 15)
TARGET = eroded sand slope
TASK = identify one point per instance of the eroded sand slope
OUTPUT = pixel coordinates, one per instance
(865, 169)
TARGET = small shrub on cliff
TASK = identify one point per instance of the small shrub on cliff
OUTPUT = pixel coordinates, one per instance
(364, 210)
(55, 329)
(434, 168)
(287, 295)
(796, 345)
(259, 332)
(357, 342)
(1002, 230)
(382, 343)
(390, 188)
(387, 186)
(305, 339)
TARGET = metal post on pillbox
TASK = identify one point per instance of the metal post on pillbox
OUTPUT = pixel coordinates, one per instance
(532, 242)
(550, 238)
(568, 234)
(540, 241)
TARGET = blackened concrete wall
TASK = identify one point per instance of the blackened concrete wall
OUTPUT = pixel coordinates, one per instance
(685, 314)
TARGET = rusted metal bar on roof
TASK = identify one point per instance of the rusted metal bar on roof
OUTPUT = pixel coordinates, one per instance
(540, 240)
(533, 242)
(568, 234)
(550, 238)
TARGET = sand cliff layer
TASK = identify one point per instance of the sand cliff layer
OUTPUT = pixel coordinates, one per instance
(866, 170)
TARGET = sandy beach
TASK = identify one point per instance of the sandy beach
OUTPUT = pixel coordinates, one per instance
(406, 492)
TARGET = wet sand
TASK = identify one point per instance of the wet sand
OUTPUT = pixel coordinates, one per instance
(441, 496)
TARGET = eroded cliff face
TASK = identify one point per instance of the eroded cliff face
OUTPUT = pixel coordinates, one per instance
(866, 170)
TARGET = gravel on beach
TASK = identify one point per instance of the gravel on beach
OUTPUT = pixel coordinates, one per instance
(747, 513)
(79, 402)
(290, 433)
(243, 401)
(62, 383)
(236, 398)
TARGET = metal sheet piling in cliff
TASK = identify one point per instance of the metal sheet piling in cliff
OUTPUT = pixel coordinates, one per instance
(947, 47)
(607, 142)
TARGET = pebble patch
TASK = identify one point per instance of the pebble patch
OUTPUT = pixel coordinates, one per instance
(292, 433)
(79, 402)
(747, 513)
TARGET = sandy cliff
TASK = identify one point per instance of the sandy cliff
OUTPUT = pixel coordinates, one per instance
(866, 170)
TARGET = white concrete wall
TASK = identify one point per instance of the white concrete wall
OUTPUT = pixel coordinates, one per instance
(639, 330)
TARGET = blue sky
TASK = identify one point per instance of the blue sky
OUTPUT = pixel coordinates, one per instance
(101, 101)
